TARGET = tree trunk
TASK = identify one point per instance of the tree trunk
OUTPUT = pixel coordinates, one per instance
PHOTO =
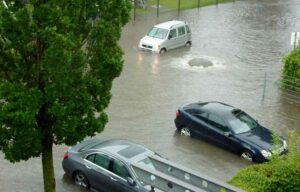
(45, 122)
(48, 170)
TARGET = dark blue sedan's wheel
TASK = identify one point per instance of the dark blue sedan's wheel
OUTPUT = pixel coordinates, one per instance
(81, 180)
(185, 131)
(248, 155)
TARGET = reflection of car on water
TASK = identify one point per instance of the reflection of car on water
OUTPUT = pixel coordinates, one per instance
(230, 128)
(106, 165)
(139, 3)
(166, 36)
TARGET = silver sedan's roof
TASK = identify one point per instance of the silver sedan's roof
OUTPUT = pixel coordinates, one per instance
(121, 148)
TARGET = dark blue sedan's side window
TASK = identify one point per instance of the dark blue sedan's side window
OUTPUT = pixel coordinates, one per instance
(200, 115)
(217, 122)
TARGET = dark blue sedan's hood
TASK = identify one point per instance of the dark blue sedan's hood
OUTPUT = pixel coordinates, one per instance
(259, 137)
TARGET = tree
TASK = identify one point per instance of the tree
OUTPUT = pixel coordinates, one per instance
(58, 59)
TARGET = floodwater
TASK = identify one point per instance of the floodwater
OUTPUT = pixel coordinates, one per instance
(244, 40)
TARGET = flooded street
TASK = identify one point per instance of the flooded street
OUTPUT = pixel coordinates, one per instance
(244, 40)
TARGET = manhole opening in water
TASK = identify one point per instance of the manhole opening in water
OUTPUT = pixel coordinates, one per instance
(200, 62)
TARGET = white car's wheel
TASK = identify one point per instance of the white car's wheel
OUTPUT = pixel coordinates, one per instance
(162, 51)
(188, 44)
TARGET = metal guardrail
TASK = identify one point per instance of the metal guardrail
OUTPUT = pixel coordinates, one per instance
(290, 88)
(171, 177)
(162, 181)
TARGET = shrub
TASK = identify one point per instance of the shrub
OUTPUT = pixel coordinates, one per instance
(291, 70)
(280, 174)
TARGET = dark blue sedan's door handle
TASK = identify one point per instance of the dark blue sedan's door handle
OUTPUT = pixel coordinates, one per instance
(113, 179)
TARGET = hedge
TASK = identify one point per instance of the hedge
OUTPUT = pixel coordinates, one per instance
(280, 174)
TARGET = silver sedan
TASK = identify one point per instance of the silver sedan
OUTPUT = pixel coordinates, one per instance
(105, 165)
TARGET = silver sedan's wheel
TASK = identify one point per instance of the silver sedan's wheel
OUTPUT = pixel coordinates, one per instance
(185, 131)
(248, 155)
(81, 180)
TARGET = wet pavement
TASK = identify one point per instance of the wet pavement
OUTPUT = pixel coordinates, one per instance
(243, 41)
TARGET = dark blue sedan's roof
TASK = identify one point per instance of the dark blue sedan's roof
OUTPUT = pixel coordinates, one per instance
(214, 107)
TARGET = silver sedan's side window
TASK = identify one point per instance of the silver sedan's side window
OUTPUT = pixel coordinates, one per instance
(91, 158)
(102, 160)
(120, 169)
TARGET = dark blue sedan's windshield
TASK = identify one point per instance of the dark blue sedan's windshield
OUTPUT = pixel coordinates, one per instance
(241, 122)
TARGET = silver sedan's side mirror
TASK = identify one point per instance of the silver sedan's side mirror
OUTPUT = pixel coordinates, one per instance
(131, 181)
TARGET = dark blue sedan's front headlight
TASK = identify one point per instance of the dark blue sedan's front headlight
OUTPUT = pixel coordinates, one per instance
(266, 154)
(284, 144)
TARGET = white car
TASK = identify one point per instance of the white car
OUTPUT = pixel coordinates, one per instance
(166, 36)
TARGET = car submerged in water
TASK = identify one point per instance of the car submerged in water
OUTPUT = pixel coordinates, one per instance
(167, 35)
(229, 128)
(105, 165)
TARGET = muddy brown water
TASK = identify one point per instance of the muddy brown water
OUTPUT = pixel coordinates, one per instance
(242, 40)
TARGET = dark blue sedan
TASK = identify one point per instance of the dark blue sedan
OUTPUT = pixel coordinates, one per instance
(230, 128)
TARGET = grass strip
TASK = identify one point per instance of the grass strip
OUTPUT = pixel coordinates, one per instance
(172, 5)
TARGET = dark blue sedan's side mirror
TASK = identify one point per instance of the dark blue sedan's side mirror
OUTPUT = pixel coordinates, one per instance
(227, 134)
(131, 181)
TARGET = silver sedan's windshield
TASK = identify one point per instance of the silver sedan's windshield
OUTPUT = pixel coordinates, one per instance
(241, 122)
(158, 33)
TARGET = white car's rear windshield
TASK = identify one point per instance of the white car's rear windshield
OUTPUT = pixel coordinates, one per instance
(158, 33)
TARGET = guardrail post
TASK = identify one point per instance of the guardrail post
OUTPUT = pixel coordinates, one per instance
(157, 8)
(265, 84)
(152, 189)
(178, 7)
(295, 42)
(134, 10)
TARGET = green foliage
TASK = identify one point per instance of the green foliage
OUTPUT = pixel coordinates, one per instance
(291, 70)
(57, 62)
(280, 174)
(63, 54)
(186, 4)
